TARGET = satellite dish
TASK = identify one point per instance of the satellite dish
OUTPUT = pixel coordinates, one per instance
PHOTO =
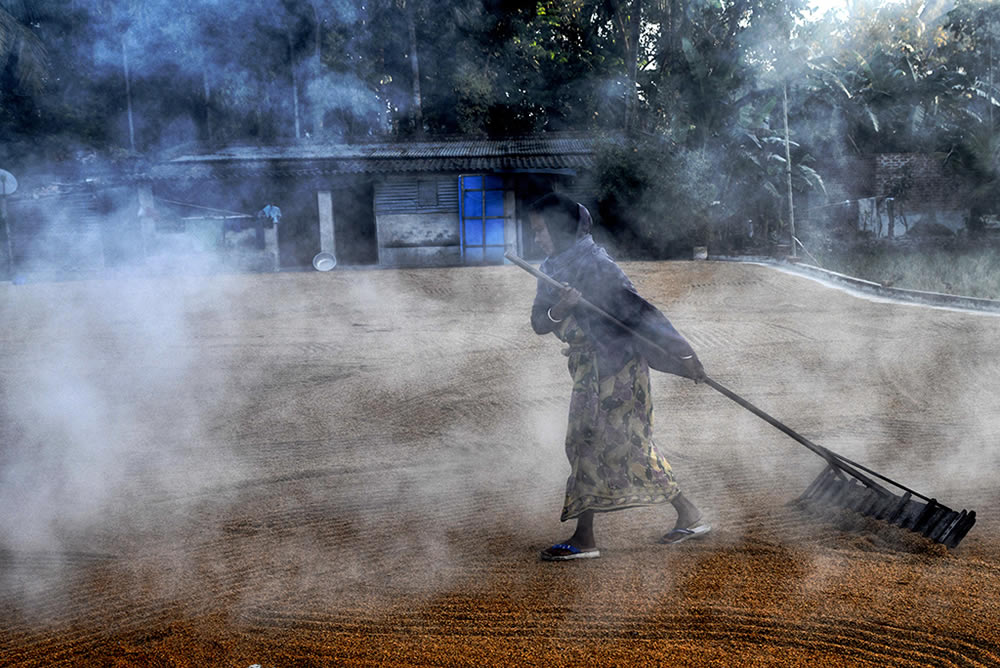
(324, 261)
(8, 184)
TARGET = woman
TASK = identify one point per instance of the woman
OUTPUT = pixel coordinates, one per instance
(609, 442)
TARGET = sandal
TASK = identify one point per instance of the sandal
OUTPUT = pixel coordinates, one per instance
(676, 535)
(568, 552)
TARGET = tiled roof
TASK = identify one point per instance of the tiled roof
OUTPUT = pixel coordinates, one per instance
(539, 152)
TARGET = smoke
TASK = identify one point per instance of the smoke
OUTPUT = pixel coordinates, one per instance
(149, 416)
(240, 441)
(899, 388)
(100, 397)
(347, 97)
(310, 448)
(113, 411)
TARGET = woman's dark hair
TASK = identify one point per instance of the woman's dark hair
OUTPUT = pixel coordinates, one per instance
(561, 215)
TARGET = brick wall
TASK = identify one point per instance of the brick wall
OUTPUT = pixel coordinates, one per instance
(917, 178)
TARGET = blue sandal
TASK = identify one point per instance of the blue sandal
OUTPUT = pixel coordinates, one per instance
(696, 530)
(572, 552)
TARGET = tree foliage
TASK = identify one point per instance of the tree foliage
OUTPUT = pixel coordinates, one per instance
(695, 85)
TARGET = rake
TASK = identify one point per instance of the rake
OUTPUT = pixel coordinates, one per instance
(842, 483)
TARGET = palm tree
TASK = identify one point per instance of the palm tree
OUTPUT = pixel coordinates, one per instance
(20, 48)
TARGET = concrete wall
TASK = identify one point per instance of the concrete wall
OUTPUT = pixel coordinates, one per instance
(418, 229)
(426, 256)
(894, 219)
(324, 206)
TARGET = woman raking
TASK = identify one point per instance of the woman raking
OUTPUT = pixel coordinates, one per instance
(613, 459)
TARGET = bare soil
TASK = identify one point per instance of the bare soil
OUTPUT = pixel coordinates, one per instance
(360, 468)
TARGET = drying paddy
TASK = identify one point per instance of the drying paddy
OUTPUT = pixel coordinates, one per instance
(360, 467)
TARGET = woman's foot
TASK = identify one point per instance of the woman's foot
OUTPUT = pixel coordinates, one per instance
(687, 513)
(567, 551)
(689, 522)
(680, 534)
(581, 544)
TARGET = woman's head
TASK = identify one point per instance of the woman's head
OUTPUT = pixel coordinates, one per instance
(558, 222)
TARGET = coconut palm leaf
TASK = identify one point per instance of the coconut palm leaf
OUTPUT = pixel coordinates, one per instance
(20, 44)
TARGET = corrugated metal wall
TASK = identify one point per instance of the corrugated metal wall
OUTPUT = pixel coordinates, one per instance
(402, 195)
(448, 194)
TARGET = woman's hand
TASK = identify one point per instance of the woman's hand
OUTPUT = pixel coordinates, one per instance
(568, 299)
(694, 368)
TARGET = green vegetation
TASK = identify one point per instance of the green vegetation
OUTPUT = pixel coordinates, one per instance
(715, 110)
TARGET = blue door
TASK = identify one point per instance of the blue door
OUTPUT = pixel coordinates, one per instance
(481, 212)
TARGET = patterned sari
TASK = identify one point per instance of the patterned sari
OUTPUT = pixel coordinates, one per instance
(614, 462)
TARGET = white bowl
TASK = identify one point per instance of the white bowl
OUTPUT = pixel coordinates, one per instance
(324, 261)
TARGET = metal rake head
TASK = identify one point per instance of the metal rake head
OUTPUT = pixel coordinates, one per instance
(836, 487)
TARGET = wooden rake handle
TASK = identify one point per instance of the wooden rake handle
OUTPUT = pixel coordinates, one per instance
(836, 460)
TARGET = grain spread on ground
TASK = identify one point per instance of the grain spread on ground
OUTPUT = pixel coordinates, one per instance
(362, 467)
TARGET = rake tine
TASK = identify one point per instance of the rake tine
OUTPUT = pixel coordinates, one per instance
(860, 500)
(910, 515)
(815, 485)
(859, 494)
(897, 512)
(820, 483)
(949, 534)
(942, 521)
(835, 491)
(842, 494)
(827, 489)
(965, 522)
(870, 503)
(875, 506)
(925, 515)
(943, 526)
(885, 507)
(932, 522)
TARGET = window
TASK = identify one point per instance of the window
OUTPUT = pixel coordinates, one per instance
(427, 194)
(482, 219)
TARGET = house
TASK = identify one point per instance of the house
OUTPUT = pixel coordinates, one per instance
(393, 204)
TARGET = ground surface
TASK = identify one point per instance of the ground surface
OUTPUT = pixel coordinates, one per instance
(360, 468)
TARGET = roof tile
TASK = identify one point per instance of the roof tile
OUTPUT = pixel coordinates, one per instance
(519, 153)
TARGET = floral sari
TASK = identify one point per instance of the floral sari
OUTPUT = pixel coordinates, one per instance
(614, 462)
